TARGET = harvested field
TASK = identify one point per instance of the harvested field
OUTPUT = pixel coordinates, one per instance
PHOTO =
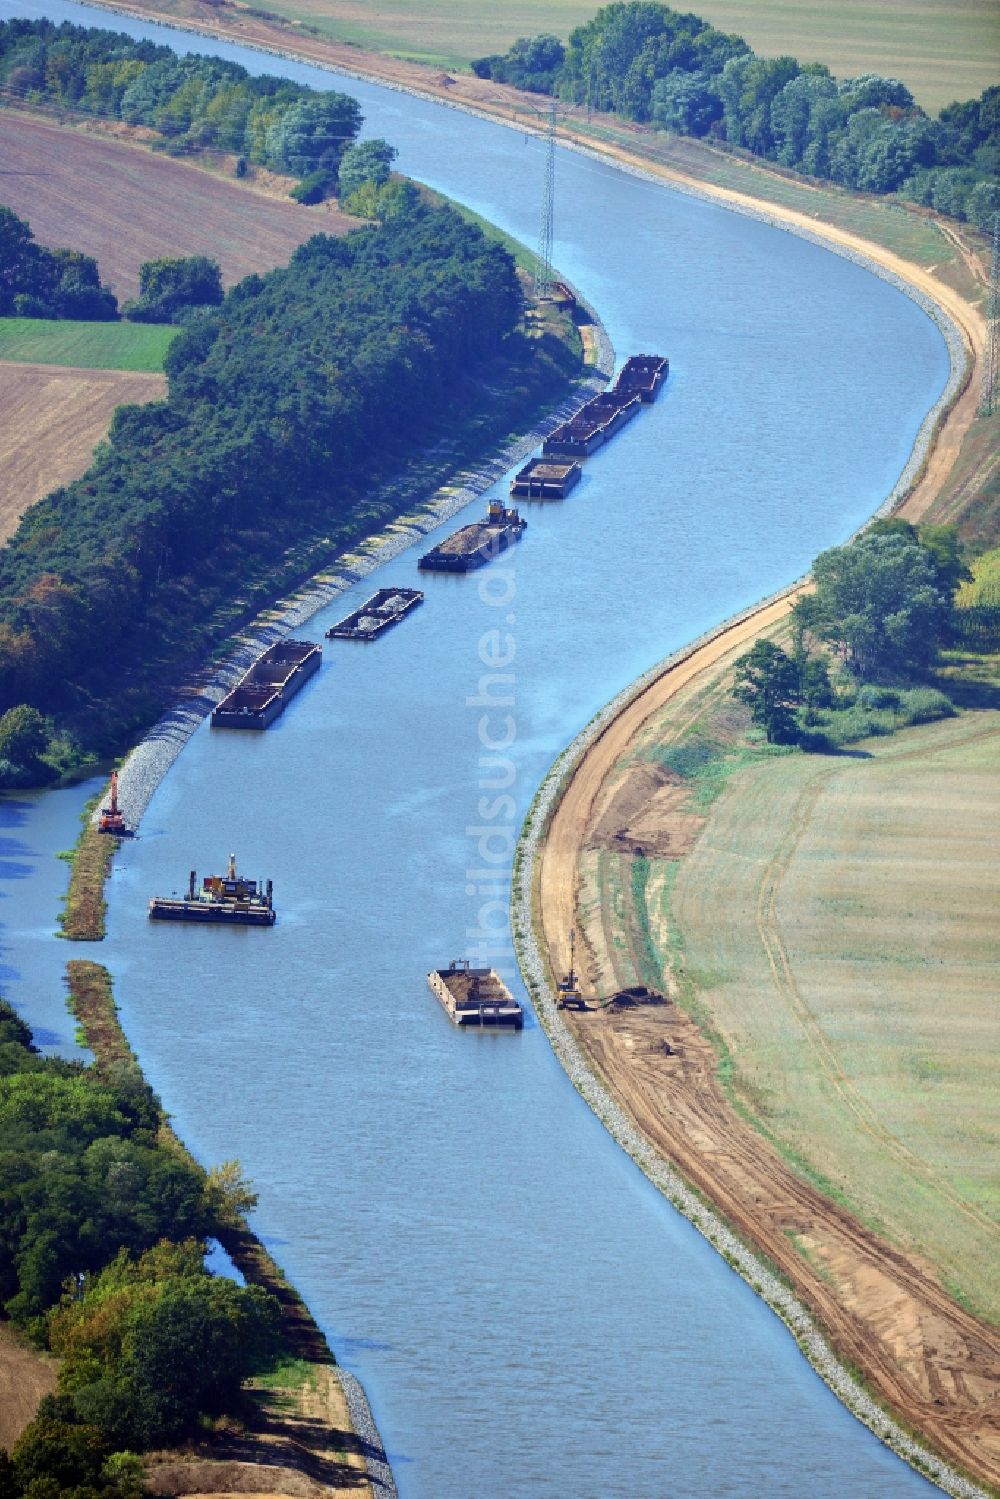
(840, 919)
(887, 1311)
(52, 420)
(25, 1376)
(943, 49)
(124, 204)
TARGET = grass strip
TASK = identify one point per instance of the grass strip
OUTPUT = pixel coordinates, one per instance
(94, 346)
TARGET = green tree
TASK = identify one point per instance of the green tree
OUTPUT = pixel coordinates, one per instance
(768, 682)
(23, 736)
(368, 161)
(878, 601)
(313, 134)
(170, 286)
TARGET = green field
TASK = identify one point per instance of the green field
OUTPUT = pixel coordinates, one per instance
(942, 49)
(91, 346)
(839, 922)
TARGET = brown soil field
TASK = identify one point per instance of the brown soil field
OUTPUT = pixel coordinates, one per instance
(119, 201)
(53, 417)
(25, 1376)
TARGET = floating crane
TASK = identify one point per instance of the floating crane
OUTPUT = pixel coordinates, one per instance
(568, 996)
(111, 820)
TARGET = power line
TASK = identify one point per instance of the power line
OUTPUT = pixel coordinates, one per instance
(991, 357)
(543, 267)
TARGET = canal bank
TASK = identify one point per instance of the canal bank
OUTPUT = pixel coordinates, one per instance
(584, 653)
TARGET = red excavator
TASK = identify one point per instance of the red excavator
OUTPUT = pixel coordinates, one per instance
(111, 820)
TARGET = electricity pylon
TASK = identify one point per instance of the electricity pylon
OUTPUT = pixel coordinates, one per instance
(543, 260)
(991, 355)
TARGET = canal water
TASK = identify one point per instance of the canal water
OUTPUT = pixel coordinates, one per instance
(528, 1316)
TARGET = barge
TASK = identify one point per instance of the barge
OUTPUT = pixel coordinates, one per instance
(475, 545)
(544, 480)
(476, 996)
(592, 425)
(268, 686)
(385, 608)
(643, 375)
(227, 898)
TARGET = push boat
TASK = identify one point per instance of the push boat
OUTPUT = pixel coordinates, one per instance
(230, 899)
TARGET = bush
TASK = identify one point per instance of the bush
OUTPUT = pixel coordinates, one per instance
(314, 188)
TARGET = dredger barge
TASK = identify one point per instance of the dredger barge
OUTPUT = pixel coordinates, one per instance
(473, 546)
(476, 996)
(227, 898)
(269, 685)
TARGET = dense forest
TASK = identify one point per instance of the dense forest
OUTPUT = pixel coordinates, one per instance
(38, 282)
(102, 1249)
(193, 102)
(287, 407)
(647, 62)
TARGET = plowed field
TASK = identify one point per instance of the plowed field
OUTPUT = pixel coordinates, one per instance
(52, 420)
(123, 204)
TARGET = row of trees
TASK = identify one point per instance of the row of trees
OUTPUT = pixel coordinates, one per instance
(880, 611)
(647, 62)
(193, 102)
(38, 282)
(91, 1209)
(287, 406)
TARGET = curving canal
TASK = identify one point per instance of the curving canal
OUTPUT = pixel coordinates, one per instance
(528, 1316)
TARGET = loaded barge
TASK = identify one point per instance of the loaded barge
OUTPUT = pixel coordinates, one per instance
(384, 608)
(476, 996)
(638, 384)
(228, 898)
(543, 480)
(268, 686)
(475, 545)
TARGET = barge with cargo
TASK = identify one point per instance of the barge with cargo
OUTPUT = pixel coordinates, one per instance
(227, 898)
(267, 688)
(639, 382)
(384, 609)
(476, 997)
(475, 545)
(544, 479)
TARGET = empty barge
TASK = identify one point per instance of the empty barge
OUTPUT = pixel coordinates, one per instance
(542, 479)
(227, 898)
(267, 687)
(476, 996)
(384, 608)
(475, 545)
(643, 374)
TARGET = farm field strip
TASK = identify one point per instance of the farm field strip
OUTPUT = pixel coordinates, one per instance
(137, 347)
(52, 420)
(951, 54)
(125, 204)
